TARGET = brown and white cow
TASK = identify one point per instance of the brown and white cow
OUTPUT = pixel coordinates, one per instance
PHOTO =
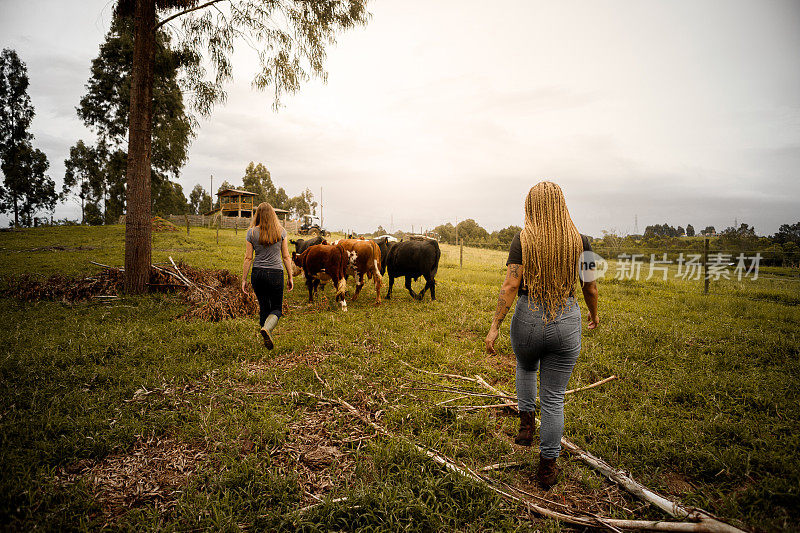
(364, 258)
(320, 264)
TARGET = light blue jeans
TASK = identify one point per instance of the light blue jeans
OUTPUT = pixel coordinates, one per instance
(552, 349)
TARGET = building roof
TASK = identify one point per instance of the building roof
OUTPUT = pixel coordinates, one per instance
(234, 192)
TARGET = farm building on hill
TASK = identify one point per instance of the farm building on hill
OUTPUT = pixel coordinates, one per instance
(238, 203)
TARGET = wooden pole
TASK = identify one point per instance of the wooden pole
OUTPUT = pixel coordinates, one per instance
(461, 252)
(236, 227)
(187, 224)
(705, 266)
(219, 223)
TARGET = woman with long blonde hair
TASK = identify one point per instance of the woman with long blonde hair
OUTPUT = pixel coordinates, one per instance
(265, 246)
(542, 269)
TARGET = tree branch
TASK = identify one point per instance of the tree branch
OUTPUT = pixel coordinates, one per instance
(185, 11)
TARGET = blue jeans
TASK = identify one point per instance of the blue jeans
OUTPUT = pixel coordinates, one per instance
(552, 349)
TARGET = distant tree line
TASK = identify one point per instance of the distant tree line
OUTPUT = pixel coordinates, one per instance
(782, 248)
(666, 230)
(469, 231)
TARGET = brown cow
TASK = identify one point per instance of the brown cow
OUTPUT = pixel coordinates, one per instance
(323, 263)
(364, 257)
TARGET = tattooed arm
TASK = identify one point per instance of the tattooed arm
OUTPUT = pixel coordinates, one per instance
(508, 292)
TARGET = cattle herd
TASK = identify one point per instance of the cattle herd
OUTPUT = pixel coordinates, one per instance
(321, 263)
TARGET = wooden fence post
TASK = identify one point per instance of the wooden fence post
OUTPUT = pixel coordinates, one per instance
(219, 223)
(187, 224)
(236, 226)
(461, 252)
(705, 266)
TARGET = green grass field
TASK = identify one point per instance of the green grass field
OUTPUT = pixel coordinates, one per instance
(119, 415)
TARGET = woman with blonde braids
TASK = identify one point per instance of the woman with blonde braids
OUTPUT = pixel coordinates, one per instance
(543, 267)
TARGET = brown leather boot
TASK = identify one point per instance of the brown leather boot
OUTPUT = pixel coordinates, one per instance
(547, 473)
(526, 427)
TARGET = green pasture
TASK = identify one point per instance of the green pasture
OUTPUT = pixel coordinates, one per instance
(705, 409)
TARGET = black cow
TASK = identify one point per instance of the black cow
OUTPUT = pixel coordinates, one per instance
(384, 246)
(301, 245)
(413, 259)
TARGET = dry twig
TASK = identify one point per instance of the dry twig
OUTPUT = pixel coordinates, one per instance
(593, 385)
(703, 521)
(453, 376)
(590, 521)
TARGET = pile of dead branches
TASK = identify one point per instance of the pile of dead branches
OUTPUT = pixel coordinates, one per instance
(212, 294)
(30, 288)
(215, 295)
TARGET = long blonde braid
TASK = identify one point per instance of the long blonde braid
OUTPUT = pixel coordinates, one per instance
(551, 249)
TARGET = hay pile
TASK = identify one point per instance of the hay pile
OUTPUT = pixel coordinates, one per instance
(161, 224)
(212, 294)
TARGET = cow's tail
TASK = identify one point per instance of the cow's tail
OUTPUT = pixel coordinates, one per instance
(376, 259)
(341, 285)
(435, 268)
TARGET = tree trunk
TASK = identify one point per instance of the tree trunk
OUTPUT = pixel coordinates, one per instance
(137, 219)
(16, 211)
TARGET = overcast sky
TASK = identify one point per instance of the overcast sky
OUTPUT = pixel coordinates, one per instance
(676, 111)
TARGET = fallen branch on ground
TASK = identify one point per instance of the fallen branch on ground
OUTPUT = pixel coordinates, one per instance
(593, 385)
(590, 521)
(173, 274)
(460, 390)
(320, 501)
(465, 392)
(489, 406)
(503, 396)
(707, 521)
(186, 280)
(454, 376)
(452, 400)
(107, 266)
(502, 466)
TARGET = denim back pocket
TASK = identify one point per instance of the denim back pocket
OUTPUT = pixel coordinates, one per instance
(568, 329)
(521, 332)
